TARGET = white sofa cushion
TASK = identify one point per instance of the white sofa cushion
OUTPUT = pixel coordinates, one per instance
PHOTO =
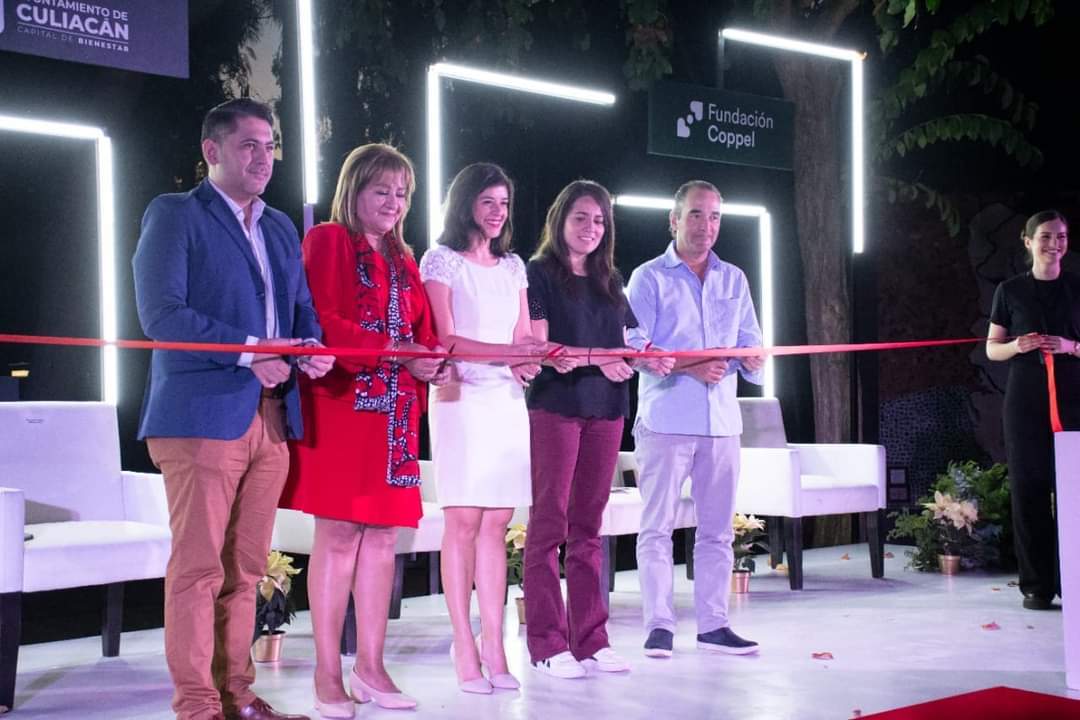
(94, 552)
(294, 532)
(769, 482)
(830, 495)
(427, 536)
(65, 456)
(622, 516)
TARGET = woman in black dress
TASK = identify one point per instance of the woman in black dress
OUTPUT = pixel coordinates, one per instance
(1040, 311)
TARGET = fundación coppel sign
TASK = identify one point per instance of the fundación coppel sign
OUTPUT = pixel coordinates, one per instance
(143, 35)
(704, 123)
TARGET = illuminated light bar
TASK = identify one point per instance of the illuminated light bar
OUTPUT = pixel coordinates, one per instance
(309, 121)
(645, 202)
(858, 140)
(790, 44)
(523, 84)
(517, 83)
(765, 259)
(110, 372)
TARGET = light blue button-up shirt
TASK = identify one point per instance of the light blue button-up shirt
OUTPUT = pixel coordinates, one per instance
(677, 311)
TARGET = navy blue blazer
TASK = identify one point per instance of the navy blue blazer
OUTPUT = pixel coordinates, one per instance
(197, 280)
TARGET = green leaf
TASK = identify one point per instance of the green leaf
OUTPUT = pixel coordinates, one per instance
(909, 12)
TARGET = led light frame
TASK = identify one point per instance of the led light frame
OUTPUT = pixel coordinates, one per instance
(110, 374)
(440, 71)
(855, 59)
(305, 23)
(652, 202)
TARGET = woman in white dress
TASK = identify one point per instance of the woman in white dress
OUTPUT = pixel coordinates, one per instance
(479, 422)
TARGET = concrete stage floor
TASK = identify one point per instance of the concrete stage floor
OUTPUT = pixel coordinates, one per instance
(908, 638)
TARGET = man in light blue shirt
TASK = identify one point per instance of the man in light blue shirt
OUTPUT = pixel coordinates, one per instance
(688, 423)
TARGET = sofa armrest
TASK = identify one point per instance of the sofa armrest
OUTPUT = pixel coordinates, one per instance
(863, 461)
(769, 482)
(12, 527)
(294, 532)
(144, 498)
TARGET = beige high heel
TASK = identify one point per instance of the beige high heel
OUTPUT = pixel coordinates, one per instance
(503, 681)
(362, 693)
(334, 709)
(477, 686)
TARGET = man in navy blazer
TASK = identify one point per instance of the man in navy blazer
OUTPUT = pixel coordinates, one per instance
(218, 265)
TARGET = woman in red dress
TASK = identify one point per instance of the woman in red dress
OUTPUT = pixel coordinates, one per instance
(356, 470)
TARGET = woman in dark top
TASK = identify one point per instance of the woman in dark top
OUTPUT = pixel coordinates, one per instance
(1040, 310)
(577, 406)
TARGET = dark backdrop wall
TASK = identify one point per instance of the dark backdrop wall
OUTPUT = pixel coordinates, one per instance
(50, 270)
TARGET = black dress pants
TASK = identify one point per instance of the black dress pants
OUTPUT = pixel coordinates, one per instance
(1029, 446)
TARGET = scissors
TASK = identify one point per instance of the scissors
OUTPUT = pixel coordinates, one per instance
(446, 360)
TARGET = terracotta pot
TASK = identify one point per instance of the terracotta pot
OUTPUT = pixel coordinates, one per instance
(949, 564)
(267, 648)
(740, 581)
(520, 602)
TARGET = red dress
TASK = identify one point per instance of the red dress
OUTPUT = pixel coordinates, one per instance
(358, 458)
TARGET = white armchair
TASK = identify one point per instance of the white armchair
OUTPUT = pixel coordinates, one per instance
(69, 517)
(622, 514)
(790, 481)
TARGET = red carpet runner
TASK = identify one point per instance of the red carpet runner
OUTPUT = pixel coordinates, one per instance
(998, 703)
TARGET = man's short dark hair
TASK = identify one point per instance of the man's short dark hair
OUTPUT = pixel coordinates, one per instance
(221, 120)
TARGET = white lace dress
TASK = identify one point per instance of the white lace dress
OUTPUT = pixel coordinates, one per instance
(479, 423)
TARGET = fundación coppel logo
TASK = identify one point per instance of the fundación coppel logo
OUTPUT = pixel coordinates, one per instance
(732, 127)
(682, 125)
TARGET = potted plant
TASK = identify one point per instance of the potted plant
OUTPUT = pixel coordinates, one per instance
(748, 541)
(985, 541)
(515, 564)
(273, 608)
(953, 520)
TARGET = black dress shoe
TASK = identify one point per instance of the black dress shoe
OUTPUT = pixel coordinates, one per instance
(1037, 602)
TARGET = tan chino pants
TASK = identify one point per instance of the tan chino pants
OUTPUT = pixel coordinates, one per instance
(222, 497)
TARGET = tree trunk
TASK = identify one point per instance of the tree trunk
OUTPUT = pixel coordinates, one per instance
(820, 188)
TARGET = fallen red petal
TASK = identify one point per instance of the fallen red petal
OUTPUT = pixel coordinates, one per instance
(991, 626)
(889, 555)
(845, 556)
(822, 655)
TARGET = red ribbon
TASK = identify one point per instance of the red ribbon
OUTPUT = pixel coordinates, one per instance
(1051, 388)
(352, 352)
(374, 353)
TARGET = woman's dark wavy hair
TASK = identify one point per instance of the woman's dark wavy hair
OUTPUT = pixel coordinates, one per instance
(600, 264)
(466, 187)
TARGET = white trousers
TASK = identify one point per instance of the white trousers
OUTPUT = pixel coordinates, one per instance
(712, 464)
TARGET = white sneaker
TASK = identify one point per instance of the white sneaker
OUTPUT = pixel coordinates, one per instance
(606, 660)
(563, 665)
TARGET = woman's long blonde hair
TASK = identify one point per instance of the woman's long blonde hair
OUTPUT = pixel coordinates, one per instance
(364, 165)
